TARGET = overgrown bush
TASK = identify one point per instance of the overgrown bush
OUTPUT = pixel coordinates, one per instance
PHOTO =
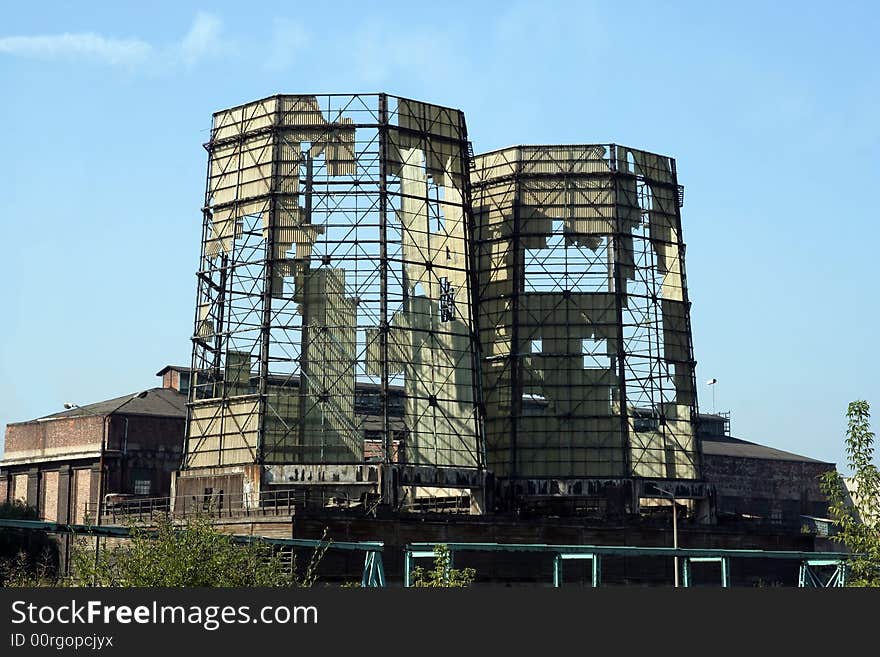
(443, 575)
(27, 557)
(193, 555)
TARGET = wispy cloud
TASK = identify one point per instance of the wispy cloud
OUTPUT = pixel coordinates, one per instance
(85, 45)
(203, 40)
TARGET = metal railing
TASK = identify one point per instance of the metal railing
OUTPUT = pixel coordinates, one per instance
(460, 504)
(813, 571)
(268, 503)
(810, 571)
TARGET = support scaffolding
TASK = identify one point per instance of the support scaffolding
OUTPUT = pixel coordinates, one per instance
(588, 368)
(334, 266)
(346, 241)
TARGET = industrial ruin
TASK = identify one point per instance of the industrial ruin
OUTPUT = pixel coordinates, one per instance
(336, 261)
(520, 318)
(403, 341)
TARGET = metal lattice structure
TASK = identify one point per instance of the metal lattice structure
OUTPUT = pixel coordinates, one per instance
(588, 368)
(335, 262)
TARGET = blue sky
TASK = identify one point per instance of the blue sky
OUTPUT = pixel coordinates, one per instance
(770, 111)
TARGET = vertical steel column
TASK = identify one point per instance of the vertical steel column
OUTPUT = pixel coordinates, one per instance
(657, 351)
(221, 315)
(379, 567)
(222, 348)
(388, 494)
(305, 336)
(472, 260)
(224, 261)
(517, 288)
(268, 271)
(407, 567)
(619, 292)
(674, 535)
(374, 573)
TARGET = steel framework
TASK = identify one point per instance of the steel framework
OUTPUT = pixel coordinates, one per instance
(353, 246)
(588, 367)
(335, 262)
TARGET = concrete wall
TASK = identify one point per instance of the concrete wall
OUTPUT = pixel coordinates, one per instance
(780, 491)
(241, 486)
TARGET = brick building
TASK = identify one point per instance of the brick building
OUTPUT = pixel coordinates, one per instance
(65, 463)
(759, 483)
(54, 463)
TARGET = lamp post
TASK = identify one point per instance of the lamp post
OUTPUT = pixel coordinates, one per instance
(712, 382)
(674, 530)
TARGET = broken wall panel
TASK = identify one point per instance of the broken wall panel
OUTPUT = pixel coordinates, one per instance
(585, 333)
(335, 258)
(223, 433)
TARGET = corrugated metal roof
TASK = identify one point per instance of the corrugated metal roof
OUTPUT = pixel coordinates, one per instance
(156, 401)
(730, 446)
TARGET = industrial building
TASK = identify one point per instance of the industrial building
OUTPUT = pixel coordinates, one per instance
(759, 483)
(347, 241)
(387, 324)
(65, 463)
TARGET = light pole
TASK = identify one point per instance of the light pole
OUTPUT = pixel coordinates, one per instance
(674, 531)
(712, 382)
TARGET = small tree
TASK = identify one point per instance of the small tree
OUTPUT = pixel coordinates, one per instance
(194, 555)
(858, 518)
(443, 574)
